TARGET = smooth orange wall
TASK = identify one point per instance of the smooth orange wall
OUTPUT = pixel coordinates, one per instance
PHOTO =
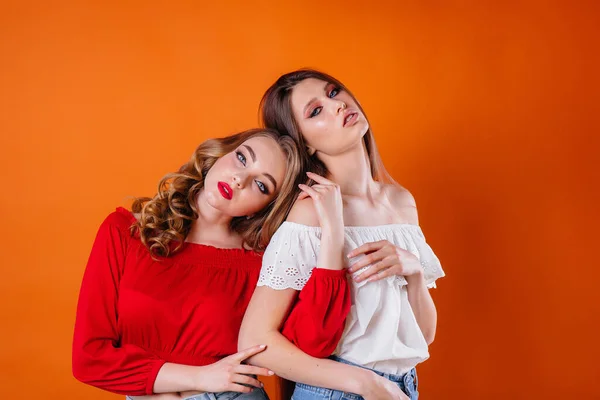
(486, 110)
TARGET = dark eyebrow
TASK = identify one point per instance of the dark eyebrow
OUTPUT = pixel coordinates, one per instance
(252, 154)
(315, 99)
(270, 177)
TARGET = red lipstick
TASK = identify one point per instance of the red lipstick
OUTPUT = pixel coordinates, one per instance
(225, 190)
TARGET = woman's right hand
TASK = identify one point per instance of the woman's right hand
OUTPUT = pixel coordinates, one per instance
(230, 374)
(327, 200)
(383, 389)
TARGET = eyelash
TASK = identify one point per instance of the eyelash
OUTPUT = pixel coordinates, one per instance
(317, 110)
(241, 157)
(261, 186)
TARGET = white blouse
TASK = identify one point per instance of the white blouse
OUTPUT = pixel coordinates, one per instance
(381, 330)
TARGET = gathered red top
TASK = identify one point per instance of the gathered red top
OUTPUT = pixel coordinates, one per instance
(135, 313)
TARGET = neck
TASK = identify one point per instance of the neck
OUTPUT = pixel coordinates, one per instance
(351, 170)
(211, 226)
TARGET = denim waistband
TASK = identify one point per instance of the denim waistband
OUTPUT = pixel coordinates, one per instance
(407, 379)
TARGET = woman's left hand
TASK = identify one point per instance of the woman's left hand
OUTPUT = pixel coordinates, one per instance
(386, 260)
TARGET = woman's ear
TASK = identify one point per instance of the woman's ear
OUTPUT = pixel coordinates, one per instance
(311, 150)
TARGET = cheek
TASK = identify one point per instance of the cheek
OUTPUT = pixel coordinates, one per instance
(226, 163)
(219, 166)
(253, 201)
(313, 129)
(322, 124)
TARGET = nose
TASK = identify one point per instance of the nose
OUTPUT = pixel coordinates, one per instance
(239, 180)
(340, 107)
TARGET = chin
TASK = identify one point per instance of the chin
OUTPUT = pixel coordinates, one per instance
(359, 131)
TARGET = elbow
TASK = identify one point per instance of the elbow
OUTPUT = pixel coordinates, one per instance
(429, 336)
(84, 366)
(78, 367)
(252, 337)
(249, 337)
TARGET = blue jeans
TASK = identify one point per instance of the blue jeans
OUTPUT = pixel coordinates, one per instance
(256, 394)
(407, 383)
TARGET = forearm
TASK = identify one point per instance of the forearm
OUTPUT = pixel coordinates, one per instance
(331, 249)
(287, 361)
(423, 306)
(177, 378)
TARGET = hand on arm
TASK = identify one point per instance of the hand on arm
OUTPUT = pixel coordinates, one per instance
(99, 357)
(228, 374)
(386, 259)
(262, 321)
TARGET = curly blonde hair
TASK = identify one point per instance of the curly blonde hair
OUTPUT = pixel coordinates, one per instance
(165, 219)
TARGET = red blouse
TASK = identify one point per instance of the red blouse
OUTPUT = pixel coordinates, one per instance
(135, 313)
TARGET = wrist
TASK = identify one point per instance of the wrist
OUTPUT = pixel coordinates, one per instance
(197, 375)
(178, 377)
(362, 382)
(416, 278)
(330, 255)
(332, 236)
(334, 227)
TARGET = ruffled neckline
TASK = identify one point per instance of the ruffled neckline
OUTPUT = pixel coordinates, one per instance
(192, 251)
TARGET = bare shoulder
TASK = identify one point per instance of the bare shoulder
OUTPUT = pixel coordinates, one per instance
(402, 202)
(303, 212)
(399, 196)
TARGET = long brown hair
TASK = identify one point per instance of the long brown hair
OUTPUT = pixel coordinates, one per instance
(165, 219)
(276, 113)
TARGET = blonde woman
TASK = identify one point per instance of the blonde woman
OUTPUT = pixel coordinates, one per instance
(167, 284)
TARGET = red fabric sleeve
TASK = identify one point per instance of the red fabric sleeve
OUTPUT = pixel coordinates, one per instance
(316, 322)
(98, 357)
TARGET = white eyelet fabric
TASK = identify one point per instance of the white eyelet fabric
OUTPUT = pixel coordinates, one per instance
(381, 330)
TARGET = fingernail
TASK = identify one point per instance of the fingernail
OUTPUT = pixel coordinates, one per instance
(271, 373)
(262, 346)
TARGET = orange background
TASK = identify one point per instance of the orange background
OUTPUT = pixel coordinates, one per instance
(487, 111)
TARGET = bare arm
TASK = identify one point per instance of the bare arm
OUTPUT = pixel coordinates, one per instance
(177, 378)
(388, 260)
(228, 374)
(422, 305)
(261, 324)
(419, 296)
(268, 309)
